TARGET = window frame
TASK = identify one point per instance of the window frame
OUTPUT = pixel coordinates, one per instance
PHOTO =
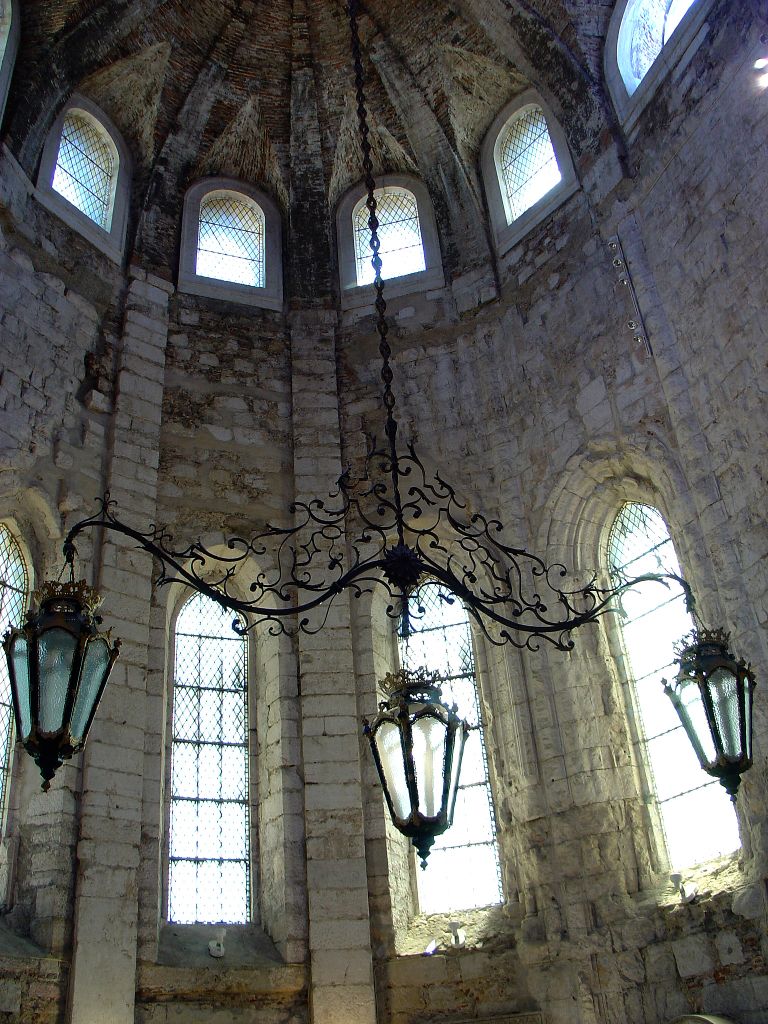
(10, 50)
(186, 595)
(507, 233)
(5, 796)
(621, 656)
(488, 784)
(671, 60)
(356, 296)
(192, 283)
(110, 241)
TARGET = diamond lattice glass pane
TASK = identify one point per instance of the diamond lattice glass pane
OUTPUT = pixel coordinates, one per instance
(401, 248)
(441, 641)
(14, 586)
(528, 163)
(655, 619)
(230, 241)
(85, 168)
(209, 767)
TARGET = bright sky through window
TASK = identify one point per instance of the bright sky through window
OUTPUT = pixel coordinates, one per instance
(14, 584)
(85, 168)
(645, 30)
(402, 250)
(209, 876)
(527, 161)
(463, 868)
(230, 241)
(698, 818)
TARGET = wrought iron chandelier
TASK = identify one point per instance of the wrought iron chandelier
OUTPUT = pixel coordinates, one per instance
(392, 526)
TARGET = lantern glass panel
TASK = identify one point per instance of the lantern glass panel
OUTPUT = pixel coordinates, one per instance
(694, 719)
(725, 702)
(56, 651)
(456, 763)
(429, 759)
(391, 756)
(95, 665)
(20, 655)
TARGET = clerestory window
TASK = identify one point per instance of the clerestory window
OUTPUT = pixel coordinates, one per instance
(401, 250)
(696, 815)
(86, 167)
(527, 169)
(645, 30)
(209, 876)
(9, 44)
(14, 592)
(463, 871)
(231, 244)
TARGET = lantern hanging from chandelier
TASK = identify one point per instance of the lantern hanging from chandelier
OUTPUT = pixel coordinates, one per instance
(58, 663)
(713, 699)
(417, 741)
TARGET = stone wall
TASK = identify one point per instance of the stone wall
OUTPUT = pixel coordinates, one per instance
(540, 407)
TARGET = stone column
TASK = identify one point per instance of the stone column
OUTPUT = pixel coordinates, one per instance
(339, 929)
(106, 911)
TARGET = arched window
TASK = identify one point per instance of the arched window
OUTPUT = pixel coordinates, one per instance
(9, 44)
(463, 869)
(14, 591)
(410, 250)
(230, 239)
(230, 244)
(86, 167)
(526, 167)
(85, 175)
(402, 250)
(645, 40)
(697, 817)
(645, 30)
(209, 825)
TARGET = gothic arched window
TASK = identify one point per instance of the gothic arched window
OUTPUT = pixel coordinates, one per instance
(230, 244)
(402, 250)
(209, 824)
(526, 160)
(14, 590)
(696, 815)
(463, 869)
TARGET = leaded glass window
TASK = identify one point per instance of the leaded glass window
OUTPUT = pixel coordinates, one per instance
(209, 859)
(86, 167)
(14, 588)
(645, 30)
(230, 240)
(402, 250)
(526, 160)
(697, 817)
(463, 869)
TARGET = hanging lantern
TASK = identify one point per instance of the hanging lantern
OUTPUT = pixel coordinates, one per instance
(58, 664)
(417, 742)
(713, 698)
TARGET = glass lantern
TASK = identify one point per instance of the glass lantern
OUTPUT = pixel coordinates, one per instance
(417, 743)
(58, 663)
(713, 699)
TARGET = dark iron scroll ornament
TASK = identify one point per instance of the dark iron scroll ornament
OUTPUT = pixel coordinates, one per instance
(391, 526)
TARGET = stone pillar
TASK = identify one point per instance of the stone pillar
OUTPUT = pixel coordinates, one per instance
(339, 928)
(104, 956)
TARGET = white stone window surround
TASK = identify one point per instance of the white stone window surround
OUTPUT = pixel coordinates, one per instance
(112, 241)
(675, 55)
(268, 297)
(355, 296)
(9, 45)
(508, 232)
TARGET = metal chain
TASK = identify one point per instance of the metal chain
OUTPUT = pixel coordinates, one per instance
(373, 221)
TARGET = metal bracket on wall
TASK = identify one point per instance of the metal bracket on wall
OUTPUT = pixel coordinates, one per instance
(635, 323)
